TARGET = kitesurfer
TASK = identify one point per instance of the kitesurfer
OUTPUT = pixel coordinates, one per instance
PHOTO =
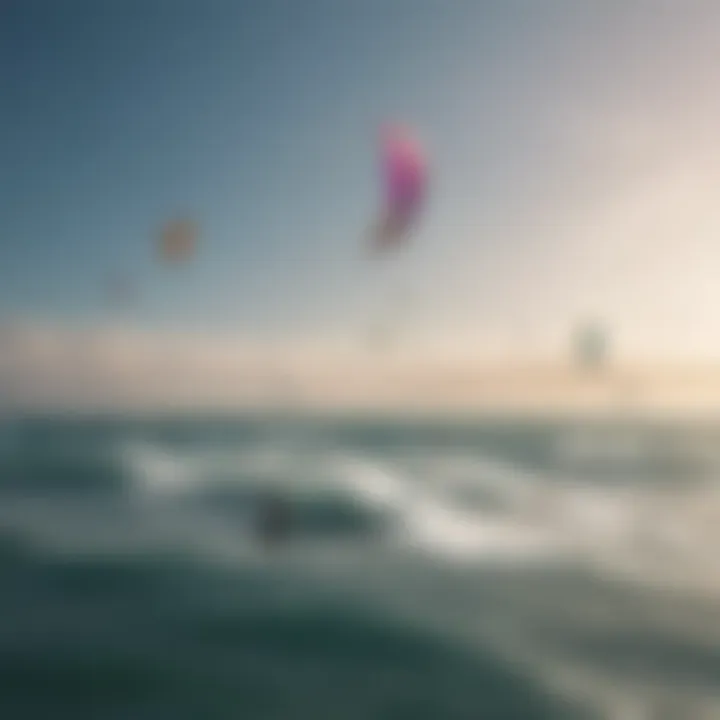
(273, 521)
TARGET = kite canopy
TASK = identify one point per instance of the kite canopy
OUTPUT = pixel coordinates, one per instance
(404, 175)
(178, 239)
(591, 345)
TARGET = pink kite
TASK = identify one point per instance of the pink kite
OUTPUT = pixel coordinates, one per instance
(404, 170)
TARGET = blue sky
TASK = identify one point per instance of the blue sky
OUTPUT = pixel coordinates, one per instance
(258, 118)
(548, 123)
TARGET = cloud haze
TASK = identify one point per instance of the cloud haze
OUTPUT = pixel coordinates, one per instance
(66, 369)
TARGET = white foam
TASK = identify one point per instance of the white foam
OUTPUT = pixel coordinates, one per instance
(429, 517)
(651, 533)
(156, 471)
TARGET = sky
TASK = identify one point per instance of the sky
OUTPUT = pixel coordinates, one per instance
(574, 171)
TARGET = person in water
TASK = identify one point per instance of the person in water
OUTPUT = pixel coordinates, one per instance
(273, 521)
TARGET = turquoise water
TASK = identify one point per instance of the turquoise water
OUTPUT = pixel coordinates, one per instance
(434, 569)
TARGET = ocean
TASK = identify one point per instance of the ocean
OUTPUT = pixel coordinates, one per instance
(444, 569)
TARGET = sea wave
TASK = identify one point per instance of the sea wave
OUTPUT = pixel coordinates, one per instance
(597, 586)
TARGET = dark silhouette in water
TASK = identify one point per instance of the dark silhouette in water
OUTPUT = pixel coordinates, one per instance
(273, 521)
